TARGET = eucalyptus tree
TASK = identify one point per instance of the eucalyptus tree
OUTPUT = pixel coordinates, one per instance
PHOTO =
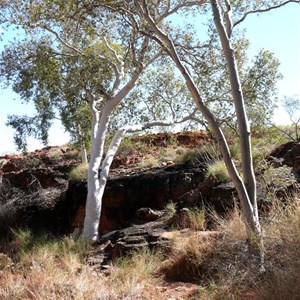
(164, 98)
(259, 78)
(75, 53)
(129, 43)
(55, 82)
(224, 21)
(156, 31)
(75, 28)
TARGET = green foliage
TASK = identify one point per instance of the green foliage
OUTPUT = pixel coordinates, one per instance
(270, 136)
(55, 75)
(292, 107)
(30, 244)
(218, 169)
(25, 126)
(54, 82)
(127, 146)
(72, 154)
(170, 208)
(259, 87)
(278, 178)
(149, 162)
(190, 156)
(79, 172)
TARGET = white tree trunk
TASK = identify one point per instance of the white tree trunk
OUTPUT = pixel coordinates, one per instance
(238, 99)
(250, 209)
(251, 221)
(93, 203)
(83, 153)
(96, 183)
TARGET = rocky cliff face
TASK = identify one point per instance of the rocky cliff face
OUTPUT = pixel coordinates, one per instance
(36, 192)
(47, 199)
(123, 196)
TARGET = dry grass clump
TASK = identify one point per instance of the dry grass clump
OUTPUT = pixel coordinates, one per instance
(218, 169)
(46, 268)
(149, 162)
(218, 261)
(132, 277)
(187, 261)
(79, 172)
(282, 243)
(221, 263)
(194, 219)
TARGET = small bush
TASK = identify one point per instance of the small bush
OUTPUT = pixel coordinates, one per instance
(193, 219)
(55, 153)
(218, 169)
(79, 172)
(72, 154)
(126, 147)
(149, 162)
(190, 156)
(170, 208)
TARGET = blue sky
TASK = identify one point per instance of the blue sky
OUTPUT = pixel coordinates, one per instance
(277, 31)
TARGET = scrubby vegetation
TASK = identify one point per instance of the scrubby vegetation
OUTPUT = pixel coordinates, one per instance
(218, 262)
(215, 264)
(79, 172)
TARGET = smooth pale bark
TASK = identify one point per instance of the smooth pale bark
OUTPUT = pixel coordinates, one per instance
(83, 153)
(98, 135)
(93, 219)
(244, 128)
(239, 103)
(251, 222)
(93, 205)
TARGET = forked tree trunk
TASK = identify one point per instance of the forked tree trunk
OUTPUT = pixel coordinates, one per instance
(251, 222)
(97, 176)
(93, 202)
(239, 103)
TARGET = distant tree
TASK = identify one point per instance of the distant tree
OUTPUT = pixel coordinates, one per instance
(260, 88)
(292, 107)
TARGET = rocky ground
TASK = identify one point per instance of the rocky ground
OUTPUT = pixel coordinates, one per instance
(36, 192)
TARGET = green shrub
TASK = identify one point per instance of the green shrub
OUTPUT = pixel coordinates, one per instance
(149, 162)
(188, 156)
(72, 154)
(79, 172)
(29, 244)
(219, 170)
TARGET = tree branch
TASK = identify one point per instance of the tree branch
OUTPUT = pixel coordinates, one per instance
(228, 14)
(263, 10)
(66, 44)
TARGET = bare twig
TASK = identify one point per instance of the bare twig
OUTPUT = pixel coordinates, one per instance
(263, 10)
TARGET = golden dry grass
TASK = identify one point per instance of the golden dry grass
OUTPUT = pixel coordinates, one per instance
(218, 262)
(225, 269)
(57, 270)
(282, 243)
